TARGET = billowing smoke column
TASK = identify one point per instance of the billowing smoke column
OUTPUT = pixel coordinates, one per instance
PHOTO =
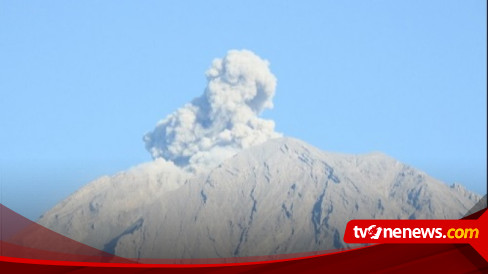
(224, 119)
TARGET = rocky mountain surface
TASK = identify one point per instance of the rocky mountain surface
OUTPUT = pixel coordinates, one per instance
(283, 196)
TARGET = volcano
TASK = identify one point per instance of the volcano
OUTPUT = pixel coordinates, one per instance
(282, 196)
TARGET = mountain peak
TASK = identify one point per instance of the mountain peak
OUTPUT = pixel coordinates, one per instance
(282, 196)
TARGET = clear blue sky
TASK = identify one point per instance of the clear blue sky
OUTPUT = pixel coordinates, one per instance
(82, 81)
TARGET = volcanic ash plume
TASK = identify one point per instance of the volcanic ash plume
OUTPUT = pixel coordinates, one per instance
(224, 119)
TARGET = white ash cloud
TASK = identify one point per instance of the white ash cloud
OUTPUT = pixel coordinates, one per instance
(224, 119)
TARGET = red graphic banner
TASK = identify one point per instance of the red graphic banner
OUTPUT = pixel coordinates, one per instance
(28, 247)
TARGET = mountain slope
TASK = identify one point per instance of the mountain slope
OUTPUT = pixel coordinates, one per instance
(280, 197)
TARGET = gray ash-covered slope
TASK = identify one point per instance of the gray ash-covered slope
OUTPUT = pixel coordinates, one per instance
(283, 196)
